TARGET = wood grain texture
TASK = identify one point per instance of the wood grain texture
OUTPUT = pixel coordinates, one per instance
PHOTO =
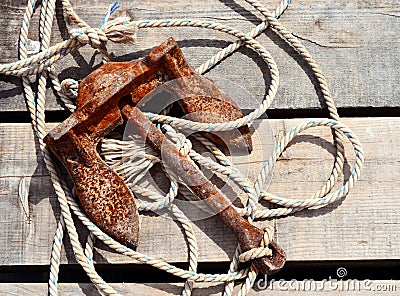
(299, 288)
(356, 43)
(362, 226)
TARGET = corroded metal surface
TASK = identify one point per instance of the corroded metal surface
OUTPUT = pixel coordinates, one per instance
(200, 98)
(103, 195)
(247, 234)
(120, 86)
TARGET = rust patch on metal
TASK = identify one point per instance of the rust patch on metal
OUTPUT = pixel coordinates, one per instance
(248, 235)
(102, 102)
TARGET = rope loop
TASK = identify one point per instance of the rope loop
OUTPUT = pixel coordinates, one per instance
(263, 250)
(69, 87)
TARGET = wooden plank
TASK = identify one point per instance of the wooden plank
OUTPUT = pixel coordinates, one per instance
(299, 288)
(354, 42)
(366, 220)
(362, 226)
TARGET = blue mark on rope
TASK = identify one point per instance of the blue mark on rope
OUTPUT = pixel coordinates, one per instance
(114, 7)
(213, 276)
(341, 190)
(62, 53)
(208, 22)
(33, 3)
(111, 10)
(332, 122)
(311, 122)
(191, 273)
(186, 20)
(145, 22)
(349, 135)
(247, 38)
(167, 21)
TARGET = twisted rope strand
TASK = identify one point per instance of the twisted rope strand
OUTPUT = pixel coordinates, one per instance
(122, 30)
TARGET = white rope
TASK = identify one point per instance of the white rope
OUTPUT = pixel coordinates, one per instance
(123, 30)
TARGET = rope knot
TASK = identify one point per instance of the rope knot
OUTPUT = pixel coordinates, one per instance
(95, 37)
(263, 250)
(119, 30)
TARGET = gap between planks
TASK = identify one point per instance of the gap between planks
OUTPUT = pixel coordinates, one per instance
(362, 226)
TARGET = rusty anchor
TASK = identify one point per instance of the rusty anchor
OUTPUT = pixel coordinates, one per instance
(106, 98)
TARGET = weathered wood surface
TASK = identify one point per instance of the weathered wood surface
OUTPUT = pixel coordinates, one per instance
(362, 226)
(356, 43)
(212, 289)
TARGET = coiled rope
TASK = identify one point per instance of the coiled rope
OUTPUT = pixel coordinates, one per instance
(123, 30)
